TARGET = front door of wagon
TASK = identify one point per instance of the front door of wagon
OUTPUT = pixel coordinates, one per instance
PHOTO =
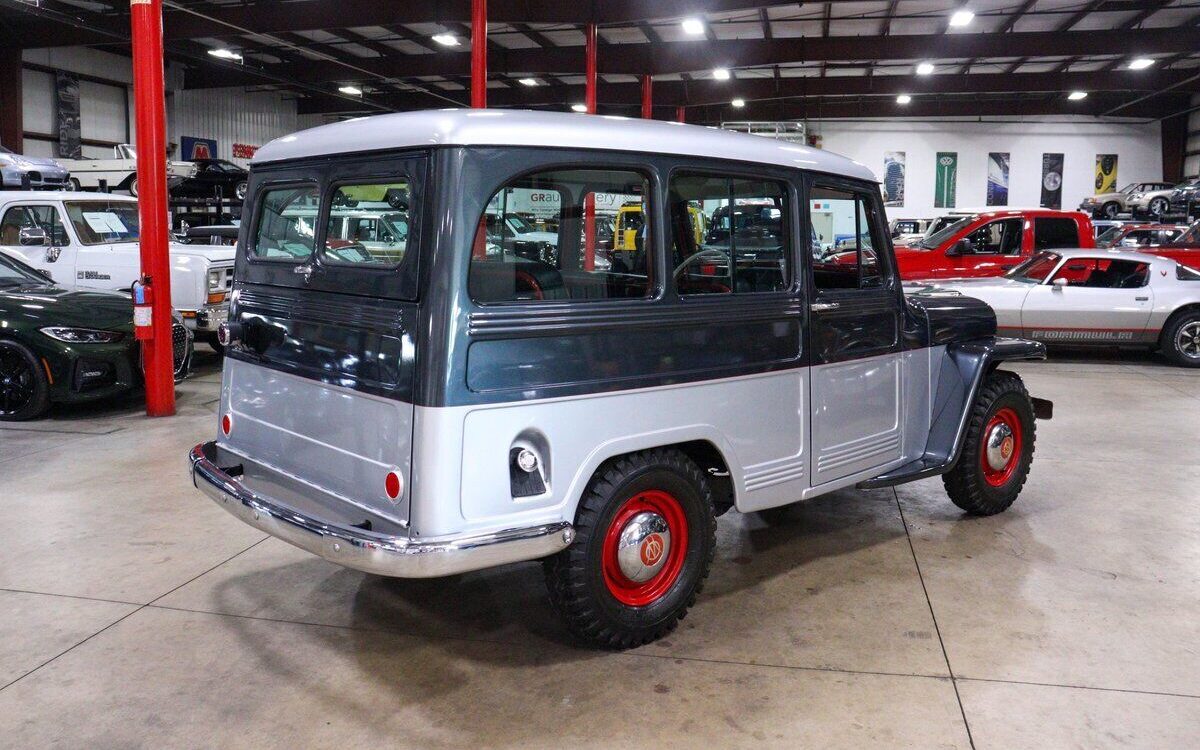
(854, 339)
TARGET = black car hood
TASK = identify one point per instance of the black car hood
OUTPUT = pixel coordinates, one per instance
(55, 306)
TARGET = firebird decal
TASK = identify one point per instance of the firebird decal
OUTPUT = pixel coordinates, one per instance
(1082, 335)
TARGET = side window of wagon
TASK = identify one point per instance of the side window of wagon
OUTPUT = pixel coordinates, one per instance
(368, 224)
(287, 221)
(728, 234)
(551, 235)
(846, 227)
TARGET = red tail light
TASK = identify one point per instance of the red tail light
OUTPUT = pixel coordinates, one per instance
(393, 485)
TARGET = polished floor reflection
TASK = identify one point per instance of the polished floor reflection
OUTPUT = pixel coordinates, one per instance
(134, 613)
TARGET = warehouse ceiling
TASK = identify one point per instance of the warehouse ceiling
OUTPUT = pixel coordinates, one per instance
(786, 60)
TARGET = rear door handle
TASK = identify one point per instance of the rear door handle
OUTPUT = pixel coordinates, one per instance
(822, 306)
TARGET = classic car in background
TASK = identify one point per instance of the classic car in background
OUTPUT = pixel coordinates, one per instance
(120, 171)
(1108, 205)
(214, 178)
(59, 346)
(30, 172)
(90, 241)
(1094, 298)
(1185, 199)
(1154, 204)
(1132, 234)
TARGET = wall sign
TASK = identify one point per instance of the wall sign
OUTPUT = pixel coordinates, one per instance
(66, 89)
(893, 178)
(243, 151)
(945, 188)
(1106, 173)
(198, 148)
(997, 184)
(1052, 171)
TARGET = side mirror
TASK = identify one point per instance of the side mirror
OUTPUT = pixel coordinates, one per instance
(1059, 284)
(32, 237)
(962, 247)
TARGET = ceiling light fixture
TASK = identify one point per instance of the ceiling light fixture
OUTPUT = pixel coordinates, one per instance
(738, 103)
(1141, 63)
(903, 99)
(721, 74)
(446, 40)
(693, 26)
(961, 17)
(1077, 95)
(351, 90)
(527, 81)
(579, 108)
(924, 68)
(225, 54)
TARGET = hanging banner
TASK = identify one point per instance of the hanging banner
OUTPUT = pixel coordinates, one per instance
(1052, 171)
(66, 89)
(197, 148)
(946, 180)
(893, 178)
(997, 184)
(1106, 173)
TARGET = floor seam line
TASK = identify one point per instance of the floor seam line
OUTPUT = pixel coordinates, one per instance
(71, 596)
(1064, 686)
(123, 618)
(936, 628)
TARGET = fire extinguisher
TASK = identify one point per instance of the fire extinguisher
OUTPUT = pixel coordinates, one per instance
(142, 314)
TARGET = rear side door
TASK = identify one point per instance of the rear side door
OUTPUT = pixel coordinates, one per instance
(853, 337)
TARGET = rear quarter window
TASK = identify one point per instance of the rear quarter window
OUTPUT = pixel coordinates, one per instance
(1052, 232)
(285, 229)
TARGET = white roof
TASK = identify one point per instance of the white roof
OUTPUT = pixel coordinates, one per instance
(513, 127)
(50, 195)
(1114, 253)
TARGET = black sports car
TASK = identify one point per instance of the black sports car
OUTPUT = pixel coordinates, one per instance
(61, 346)
(214, 178)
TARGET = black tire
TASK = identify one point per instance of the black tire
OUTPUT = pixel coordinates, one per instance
(1001, 398)
(579, 588)
(1110, 210)
(1179, 338)
(24, 389)
(75, 184)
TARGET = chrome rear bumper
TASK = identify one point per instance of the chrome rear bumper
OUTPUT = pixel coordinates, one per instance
(382, 554)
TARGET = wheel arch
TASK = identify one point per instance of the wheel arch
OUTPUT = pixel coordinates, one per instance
(1190, 307)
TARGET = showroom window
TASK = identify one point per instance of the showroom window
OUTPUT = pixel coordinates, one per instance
(729, 234)
(1049, 233)
(549, 236)
(843, 240)
(287, 221)
(368, 224)
(1104, 273)
(997, 238)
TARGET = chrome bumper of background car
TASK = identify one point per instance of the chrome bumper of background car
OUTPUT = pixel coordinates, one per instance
(382, 554)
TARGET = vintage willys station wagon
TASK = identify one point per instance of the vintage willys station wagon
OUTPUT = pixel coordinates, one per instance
(458, 405)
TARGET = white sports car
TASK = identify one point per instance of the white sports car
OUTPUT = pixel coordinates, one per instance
(1093, 297)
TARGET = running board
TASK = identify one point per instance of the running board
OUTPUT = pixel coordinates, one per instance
(922, 468)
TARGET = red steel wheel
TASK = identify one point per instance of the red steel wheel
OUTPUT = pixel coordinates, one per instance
(644, 548)
(1001, 450)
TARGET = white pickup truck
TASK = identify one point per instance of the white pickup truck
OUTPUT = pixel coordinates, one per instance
(120, 172)
(90, 241)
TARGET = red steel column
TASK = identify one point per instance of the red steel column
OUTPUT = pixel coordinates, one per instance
(479, 54)
(589, 201)
(149, 107)
(647, 97)
(680, 114)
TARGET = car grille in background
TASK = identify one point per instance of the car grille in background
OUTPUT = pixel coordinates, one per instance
(179, 338)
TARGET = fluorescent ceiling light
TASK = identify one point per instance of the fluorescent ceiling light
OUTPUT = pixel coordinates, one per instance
(351, 90)
(225, 54)
(527, 81)
(739, 103)
(1077, 95)
(924, 68)
(579, 108)
(693, 26)
(1141, 63)
(961, 17)
(721, 74)
(446, 40)
(903, 99)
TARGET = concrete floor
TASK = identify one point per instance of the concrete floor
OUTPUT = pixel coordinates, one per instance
(134, 613)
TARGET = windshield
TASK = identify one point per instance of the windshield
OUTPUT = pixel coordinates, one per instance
(97, 222)
(937, 238)
(519, 225)
(1110, 237)
(1190, 237)
(15, 273)
(1036, 269)
(1130, 188)
(3, 150)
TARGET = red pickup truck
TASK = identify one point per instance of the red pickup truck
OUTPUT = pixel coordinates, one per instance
(991, 243)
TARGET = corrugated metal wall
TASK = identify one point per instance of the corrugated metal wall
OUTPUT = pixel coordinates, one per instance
(1191, 164)
(230, 116)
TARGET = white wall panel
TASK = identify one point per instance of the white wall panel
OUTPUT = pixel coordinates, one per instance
(1139, 147)
(37, 93)
(102, 111)
(231, 116)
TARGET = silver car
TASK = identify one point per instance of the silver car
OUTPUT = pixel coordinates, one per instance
(30, 172)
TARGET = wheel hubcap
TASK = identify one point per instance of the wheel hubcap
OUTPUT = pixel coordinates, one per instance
(643, 546)
(1188, 340)
(1001, 452)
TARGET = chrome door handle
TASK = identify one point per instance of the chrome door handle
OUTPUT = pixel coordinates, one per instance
(1141, 299)
(305, 270)
(822, 306)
